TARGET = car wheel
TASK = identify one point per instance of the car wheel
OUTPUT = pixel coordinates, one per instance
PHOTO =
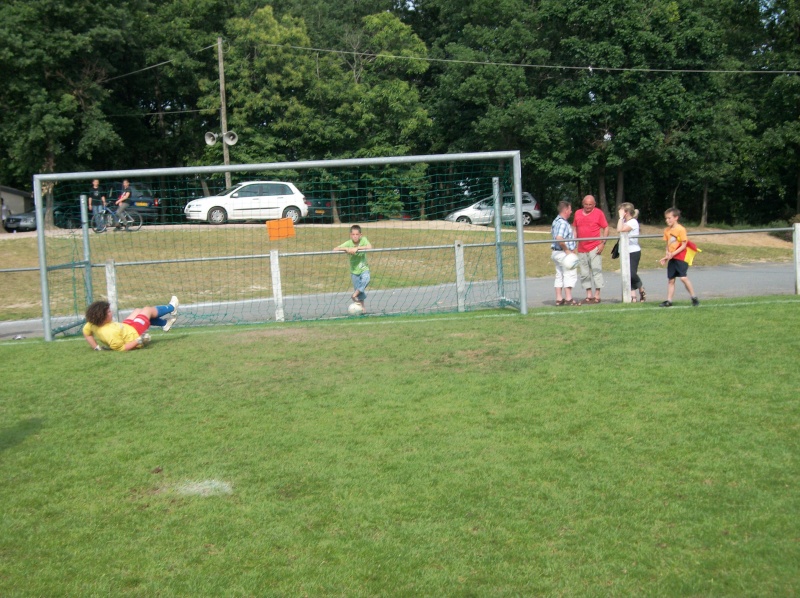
(293, 213)
(527, 219)
(217, 215)
(463, 220)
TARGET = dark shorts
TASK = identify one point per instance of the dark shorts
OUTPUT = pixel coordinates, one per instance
(140, 323)
(677, 269)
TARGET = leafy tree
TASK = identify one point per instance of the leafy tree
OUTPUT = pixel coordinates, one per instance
(778, 104)
(54, 57)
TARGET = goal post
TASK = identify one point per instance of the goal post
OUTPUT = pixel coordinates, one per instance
(236, 273)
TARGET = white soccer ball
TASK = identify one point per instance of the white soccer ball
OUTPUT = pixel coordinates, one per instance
(355, 309)
(570, 261)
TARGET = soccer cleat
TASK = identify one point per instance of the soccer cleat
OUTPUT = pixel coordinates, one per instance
(695, 302)
(170, 321)
(665, 304)
(174, 303)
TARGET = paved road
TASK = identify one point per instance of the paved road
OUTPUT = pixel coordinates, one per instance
(724, 281)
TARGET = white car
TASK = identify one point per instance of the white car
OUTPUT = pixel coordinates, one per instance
(251, 200)
(482, 212)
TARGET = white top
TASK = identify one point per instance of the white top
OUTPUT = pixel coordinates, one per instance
(633, 235)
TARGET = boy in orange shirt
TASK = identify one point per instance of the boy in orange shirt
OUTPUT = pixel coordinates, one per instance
(677, 239)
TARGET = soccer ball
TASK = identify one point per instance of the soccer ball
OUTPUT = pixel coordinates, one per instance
(570, 262)
(355, 309)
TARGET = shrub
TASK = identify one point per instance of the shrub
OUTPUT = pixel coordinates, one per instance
(783, 235)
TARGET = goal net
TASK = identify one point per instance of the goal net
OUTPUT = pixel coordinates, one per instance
(250, 269)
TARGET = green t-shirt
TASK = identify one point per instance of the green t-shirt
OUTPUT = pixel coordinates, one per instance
(358, 261)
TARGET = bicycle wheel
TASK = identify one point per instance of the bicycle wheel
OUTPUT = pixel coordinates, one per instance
(132, 221)
(99, 222)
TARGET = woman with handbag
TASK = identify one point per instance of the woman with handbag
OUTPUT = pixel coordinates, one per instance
(628, 223)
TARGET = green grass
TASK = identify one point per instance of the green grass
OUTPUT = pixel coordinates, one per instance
(617, 450)
(196, 282)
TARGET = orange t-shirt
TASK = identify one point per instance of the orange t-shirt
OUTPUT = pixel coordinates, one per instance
(675, 235)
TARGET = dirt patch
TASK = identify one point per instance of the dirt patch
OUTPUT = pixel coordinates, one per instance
(727, 237)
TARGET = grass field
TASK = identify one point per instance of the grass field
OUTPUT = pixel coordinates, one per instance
(618, 450)
(241, 280)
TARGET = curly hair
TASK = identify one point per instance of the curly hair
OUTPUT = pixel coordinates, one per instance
(96, 312)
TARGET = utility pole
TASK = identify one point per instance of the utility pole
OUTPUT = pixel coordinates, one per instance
(226, 158)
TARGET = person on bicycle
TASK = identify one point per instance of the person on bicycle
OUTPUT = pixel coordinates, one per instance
(96, 195)
(122, 203)
(132, 333)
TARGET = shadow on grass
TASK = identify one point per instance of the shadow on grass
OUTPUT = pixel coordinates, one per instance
(17, 434)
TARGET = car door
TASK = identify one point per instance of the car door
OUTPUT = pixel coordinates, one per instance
(509, 208)
(276, 197)
(483, 212)
(246, 203)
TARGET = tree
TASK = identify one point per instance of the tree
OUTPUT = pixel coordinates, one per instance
(54, 58)
(778, 104)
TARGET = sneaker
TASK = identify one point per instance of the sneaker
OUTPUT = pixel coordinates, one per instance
(665, 304)
(170, 321)
(174, 303)
(695, 302)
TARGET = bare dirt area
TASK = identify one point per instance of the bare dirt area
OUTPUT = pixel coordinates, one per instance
(4, 236)
(726, 237)
(720, 236)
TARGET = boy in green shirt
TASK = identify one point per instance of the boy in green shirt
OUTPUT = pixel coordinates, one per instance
(359, 270)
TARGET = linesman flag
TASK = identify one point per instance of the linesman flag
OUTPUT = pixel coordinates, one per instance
(691, 251)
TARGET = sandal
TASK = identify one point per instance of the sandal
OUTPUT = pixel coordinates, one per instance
(642, 295)
(573, 302)
(560, 303)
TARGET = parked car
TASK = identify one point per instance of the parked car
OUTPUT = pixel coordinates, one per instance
(67, 214)
(482, 212)
(142, 199)
(21, 222)
(251, 200)
(319, 210)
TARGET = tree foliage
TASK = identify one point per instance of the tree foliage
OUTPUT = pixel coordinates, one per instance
(661, 103)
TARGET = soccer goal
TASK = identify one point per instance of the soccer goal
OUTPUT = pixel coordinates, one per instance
(257, 257)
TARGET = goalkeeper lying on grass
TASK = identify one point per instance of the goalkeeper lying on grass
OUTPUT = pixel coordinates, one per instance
(131, 334)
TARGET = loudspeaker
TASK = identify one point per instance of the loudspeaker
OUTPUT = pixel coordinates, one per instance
(211, 138)
(230, 138)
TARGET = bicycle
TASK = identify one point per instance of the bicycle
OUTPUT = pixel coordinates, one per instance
(104, 218)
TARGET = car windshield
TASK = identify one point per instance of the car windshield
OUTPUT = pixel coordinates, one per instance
(141, 189)
(229, 190)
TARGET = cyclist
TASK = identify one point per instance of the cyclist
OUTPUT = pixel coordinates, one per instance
(131, 334)
(122, 203)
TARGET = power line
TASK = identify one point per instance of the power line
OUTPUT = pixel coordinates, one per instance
(163, 113)
(590, 69)
(153, 66)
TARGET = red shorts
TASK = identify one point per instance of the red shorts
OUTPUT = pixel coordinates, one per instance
(140, 323)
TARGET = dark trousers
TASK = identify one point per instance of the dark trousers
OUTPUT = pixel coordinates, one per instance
(636, 282)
